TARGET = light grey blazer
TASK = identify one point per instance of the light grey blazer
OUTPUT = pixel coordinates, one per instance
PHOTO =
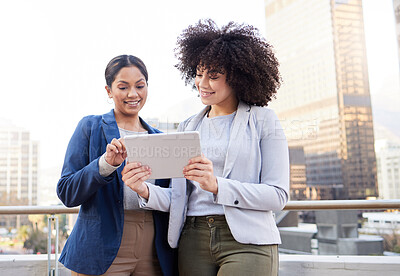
(255, 180)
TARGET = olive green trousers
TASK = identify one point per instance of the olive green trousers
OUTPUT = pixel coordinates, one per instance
(207, 248)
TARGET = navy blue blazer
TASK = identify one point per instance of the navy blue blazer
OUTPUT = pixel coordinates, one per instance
(94, 242)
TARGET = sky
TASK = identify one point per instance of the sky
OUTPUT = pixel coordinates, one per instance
(54, 53)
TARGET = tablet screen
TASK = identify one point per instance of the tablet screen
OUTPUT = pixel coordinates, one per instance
(165, 153)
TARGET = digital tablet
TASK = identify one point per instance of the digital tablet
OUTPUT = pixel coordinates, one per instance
(165, 153)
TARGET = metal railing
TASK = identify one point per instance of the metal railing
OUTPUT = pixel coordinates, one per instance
(342, 205)
(290, 206)
(52, 219)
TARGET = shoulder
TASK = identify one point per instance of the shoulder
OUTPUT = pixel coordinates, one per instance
(193, 120)
(261, 112)
(90, 120)
(266, 121)
(88, 124)
(183, 125)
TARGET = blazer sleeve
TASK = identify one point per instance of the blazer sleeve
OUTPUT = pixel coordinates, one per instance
(159, 198)
(80, 177)
(272, 192)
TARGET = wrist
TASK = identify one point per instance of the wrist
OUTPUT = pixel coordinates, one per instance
(144, 191)
(109, 162)
(216, 187)
(107, 159)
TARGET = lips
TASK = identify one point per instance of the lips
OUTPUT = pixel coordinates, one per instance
(205, 94)
(132, 103)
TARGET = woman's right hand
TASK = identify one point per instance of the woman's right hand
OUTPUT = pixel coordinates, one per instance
(115, 152)
(134, 176)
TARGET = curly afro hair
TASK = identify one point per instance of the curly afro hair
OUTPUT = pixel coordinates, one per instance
(236, 50)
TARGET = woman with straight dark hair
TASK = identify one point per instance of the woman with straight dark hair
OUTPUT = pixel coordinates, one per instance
(112, 235)
(221, 213)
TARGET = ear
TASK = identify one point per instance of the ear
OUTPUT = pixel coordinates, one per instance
(108, 89)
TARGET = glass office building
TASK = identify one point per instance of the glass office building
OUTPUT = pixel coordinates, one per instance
(18, 171)
(324, 103)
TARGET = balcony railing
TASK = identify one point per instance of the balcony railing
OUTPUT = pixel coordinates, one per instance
(390, 263)
(290, 206)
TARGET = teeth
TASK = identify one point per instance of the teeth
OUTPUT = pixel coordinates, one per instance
(136, 102)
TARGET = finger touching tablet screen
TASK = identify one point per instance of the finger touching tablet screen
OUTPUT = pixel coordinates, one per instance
(165, 153)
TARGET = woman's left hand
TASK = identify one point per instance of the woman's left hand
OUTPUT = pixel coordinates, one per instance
(200, 169)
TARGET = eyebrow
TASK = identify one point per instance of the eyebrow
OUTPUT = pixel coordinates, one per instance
(125, 82)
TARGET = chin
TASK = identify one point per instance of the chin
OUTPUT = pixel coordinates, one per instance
(205, 102)
(132, 112)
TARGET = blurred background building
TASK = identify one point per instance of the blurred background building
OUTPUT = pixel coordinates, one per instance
(324, 103)
(298, 178)
(388, 167)
(396, 7)
(18, 169)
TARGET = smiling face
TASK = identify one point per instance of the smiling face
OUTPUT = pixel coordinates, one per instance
(214, 90)
(129, 92)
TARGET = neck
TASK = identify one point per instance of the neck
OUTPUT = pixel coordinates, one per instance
(131, 123)
(220, 110)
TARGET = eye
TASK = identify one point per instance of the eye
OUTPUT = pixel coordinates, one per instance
(140, 85)
(199, 75)
(123, 88)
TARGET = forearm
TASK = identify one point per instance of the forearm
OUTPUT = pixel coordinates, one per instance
(75, 187)
(159, 198)
(106, 169)
(256, 196)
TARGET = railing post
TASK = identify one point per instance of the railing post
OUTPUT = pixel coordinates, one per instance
(314, 246)
(49, 246)
(52, 271)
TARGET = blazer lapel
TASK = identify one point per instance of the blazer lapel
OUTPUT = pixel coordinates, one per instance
(193, 123)
(237, 136)
(110, 127)
(110, 131)
(149, 129)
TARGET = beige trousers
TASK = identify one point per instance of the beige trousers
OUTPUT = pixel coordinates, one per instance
(137, 254)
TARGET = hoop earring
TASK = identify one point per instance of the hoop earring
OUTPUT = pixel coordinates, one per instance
(110, 100)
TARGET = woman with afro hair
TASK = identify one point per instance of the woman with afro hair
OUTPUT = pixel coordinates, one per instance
(221, 213)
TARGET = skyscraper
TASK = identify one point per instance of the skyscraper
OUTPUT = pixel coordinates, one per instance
(324, 102)
(18, 169)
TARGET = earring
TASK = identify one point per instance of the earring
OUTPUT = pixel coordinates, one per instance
(110, 100)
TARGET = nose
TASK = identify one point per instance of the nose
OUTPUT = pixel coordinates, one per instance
(132, 93)
(204, 81)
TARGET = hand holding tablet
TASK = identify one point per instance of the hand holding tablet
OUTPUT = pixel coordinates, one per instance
(165, 153)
